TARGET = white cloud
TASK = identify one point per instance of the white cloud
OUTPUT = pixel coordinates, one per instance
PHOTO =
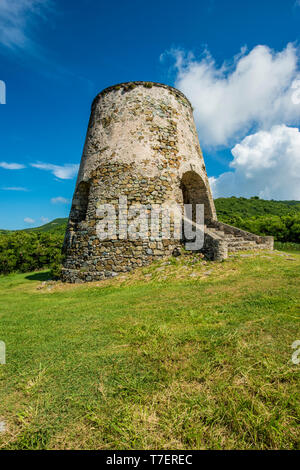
(14, 188)
(44, 220)
(254, 90)
(15, 20)
(29, 221)
(59, 200)
(11, 166)
(65, 172)
(265, 164)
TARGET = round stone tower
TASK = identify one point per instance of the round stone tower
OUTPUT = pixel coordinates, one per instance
(142, 145)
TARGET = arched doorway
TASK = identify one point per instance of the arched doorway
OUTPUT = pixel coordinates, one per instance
(194, 192)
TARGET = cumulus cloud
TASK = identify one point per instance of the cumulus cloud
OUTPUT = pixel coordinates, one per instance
(15, 20)
(59, 200)
(11, 166)
(65, 172)
(14, 188)
(29, 221)
(265, 164)
(44, 220)
(254, 90)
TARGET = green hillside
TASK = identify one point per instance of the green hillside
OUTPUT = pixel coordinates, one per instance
(280, 219)
(254, 207)
(56, 225)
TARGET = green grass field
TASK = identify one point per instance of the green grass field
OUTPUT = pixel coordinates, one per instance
(185, 355)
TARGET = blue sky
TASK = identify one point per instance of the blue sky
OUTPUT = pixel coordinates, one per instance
(236, 61)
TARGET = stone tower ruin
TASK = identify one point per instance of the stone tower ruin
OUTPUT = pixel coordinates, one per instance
(141, 143)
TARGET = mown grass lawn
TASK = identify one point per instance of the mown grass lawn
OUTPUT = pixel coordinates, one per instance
(186, 355)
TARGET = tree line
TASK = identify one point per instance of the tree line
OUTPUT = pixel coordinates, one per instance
(32, 250)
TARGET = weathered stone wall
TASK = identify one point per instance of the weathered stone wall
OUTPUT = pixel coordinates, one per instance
(141, 143)
(215, 247)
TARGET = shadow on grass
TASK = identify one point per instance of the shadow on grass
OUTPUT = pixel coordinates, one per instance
(39, 276)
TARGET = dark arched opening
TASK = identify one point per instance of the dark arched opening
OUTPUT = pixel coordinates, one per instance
(195, 192)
